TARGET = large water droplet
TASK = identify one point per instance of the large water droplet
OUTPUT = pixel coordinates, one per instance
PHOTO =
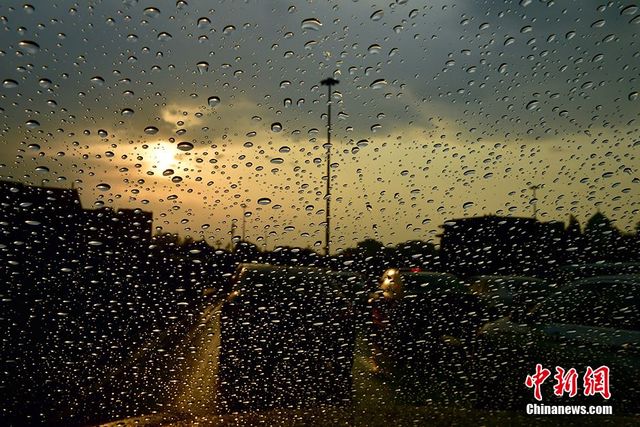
(29, 46)
(164, 36)
(213, 101)
(311, 24)
(264, 201)
(533, 105)
(151, 130)
(204, 22)
(202, 67)
(44, 83)
(374, 48)
(378, 84)
(228, 29)
(97, 80)
(633, 96)
(276, 126)
(377, 15)
(151, 12)
(103, 187)
(185, 146)
(32, 124)
(9, 84)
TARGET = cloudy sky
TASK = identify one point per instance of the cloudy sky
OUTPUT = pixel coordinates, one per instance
(445, 109)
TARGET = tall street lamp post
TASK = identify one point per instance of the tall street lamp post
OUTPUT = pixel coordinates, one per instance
(328, 82)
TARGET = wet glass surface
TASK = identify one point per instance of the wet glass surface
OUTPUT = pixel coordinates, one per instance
(319, 212)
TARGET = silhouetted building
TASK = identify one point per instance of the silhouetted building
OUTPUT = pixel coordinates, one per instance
(501, 245)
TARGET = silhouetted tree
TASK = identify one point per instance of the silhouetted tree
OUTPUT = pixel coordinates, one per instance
(574, 244)
(602, 239)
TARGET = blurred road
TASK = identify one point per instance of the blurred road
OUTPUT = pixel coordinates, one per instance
(190, 364)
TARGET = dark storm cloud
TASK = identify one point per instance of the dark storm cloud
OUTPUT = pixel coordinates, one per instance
(433, 87)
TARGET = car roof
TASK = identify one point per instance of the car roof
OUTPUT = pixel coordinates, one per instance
(270, 267)
(506, 278)
(633, 279)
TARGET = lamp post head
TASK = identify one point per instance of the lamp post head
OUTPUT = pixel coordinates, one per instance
(329, 82)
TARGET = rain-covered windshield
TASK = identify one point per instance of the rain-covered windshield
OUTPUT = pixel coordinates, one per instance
(201, 201)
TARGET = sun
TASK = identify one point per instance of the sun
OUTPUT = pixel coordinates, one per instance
(163, 157)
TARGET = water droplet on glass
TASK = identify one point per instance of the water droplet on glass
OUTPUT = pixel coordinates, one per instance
(202, 67)
(264, 201)
(276, 126)
(213, 101)
(44, 83)
(533, 105)
(228, 29)
(32, 124)
(151, 130)
(185, 146)
(102, 133)
(167, 172)
(151, 12)
(9, 84)
(204, 22)
(377, 15)
(97, 80)
(509, 40)
(164, 36)
(598, 24)
(42, 169)
(103, 187)
(29, 46)
(378, 84)
(374, 48)
(633, 96)
(311, 24)
(127, 112)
